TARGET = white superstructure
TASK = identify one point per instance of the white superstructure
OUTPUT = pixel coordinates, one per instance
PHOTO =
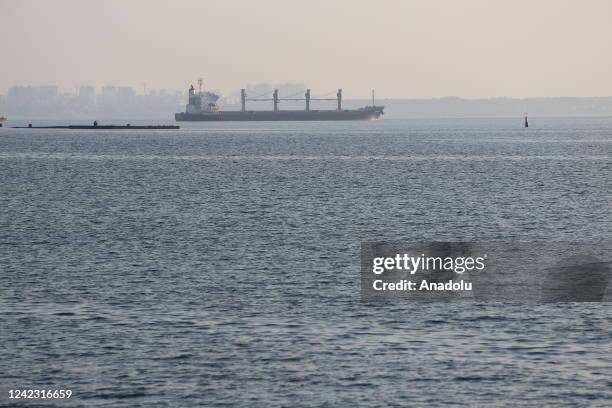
(201, 101)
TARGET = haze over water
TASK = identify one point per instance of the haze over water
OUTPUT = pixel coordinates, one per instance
(219, 264)
(403, 49)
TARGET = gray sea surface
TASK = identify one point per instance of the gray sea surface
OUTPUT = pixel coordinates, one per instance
(218, 265)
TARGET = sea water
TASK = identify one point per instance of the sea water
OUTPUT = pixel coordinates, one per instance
(218, 265)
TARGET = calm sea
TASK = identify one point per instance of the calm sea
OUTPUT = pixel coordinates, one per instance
(218, 265)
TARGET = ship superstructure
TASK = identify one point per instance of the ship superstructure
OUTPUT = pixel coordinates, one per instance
(201, 102)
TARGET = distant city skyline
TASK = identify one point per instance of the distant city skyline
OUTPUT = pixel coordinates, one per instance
(111, 100)
(120, 101)
(116, 102)
(403, 49)
(260, 87)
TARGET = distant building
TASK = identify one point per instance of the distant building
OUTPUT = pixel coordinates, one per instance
(125, 93)
(87, 95)
(290, 89)
(116, 99)
(40, 97)
(264, 89)
(261, 89)
(108, 97)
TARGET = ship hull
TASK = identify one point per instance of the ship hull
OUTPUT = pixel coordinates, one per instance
(227, 116)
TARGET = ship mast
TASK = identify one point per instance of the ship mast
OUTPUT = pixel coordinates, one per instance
(200, 81)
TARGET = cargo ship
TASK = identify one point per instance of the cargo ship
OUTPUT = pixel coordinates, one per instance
(202, 106)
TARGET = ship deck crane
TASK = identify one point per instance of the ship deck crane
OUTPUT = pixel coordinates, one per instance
(275, 99)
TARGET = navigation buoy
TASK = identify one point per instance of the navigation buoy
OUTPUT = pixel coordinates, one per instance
(526, 121)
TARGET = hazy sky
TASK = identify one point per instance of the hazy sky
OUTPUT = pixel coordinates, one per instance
(402, 48)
